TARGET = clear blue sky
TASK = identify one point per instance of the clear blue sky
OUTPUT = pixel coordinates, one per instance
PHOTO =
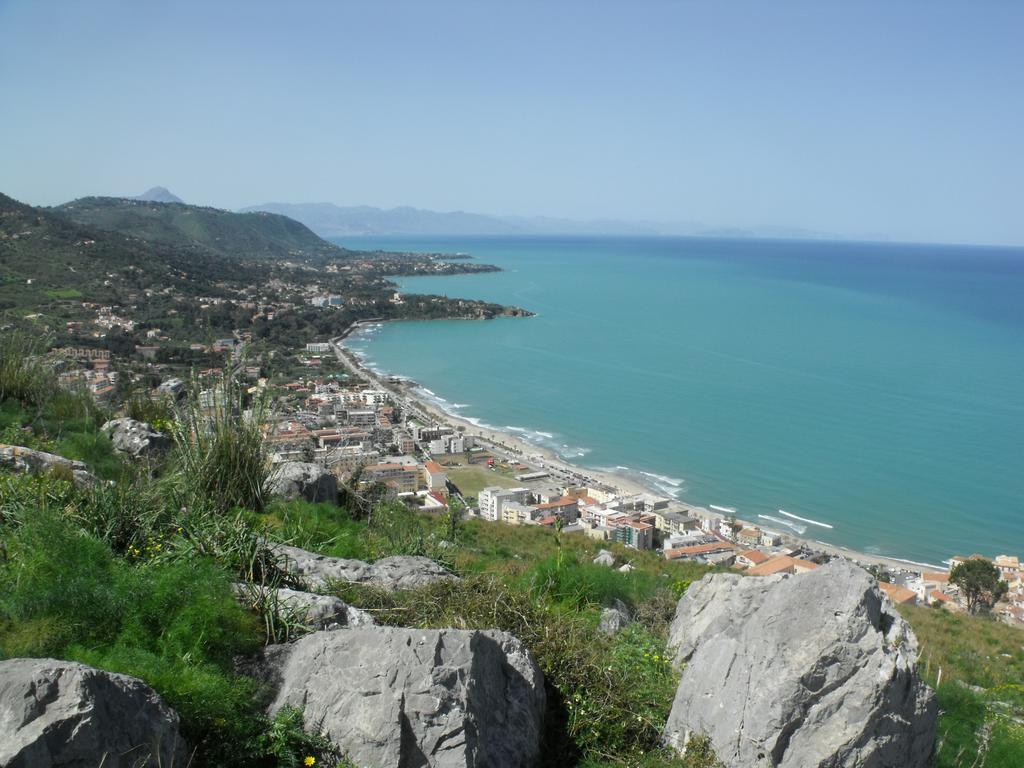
(896, 118)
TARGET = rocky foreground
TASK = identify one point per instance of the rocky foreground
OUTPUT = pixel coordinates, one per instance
(788, 671)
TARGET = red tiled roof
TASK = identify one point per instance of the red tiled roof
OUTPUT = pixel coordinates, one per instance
(755, 556)
(781, 564)
(565, 501)
(897, 593)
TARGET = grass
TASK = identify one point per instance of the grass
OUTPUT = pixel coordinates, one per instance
(63, 293)
(221, 457)
(26, 374)
(472, 480)
(981, 696)
(135, 577)
(323, 528)
(974, 650)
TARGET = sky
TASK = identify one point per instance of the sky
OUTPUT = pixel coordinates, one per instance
(895, 119)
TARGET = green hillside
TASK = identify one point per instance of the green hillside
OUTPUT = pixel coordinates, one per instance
(45, 257)
(98, 574)
(248, 236)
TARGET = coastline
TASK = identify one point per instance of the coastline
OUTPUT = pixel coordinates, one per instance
(410, 394)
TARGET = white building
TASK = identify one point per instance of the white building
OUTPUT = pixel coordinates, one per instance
(493, 499)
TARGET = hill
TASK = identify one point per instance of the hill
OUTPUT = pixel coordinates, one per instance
(211, 231)
(136, 576)
(45, 256)
(159, 195)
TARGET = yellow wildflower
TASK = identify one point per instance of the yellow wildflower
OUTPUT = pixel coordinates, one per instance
(310, 760)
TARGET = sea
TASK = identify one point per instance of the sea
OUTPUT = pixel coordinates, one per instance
(868, 395)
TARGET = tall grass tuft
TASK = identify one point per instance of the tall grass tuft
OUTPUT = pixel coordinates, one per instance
(26, 373)
(221, 457)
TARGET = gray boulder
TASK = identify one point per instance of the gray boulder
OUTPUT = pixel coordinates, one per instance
(312, 610)
(809, 671)
(59, 713)
(604, 557)
(416, 697)
(301, 480)
(391, 573)
(615, 619)
(136, 439)
(20, 459)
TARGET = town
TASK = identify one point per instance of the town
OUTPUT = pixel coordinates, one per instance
(373, 435)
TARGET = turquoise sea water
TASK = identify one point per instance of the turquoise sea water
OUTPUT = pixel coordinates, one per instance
(877, 388)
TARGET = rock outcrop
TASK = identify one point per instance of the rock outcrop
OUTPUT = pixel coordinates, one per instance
(20, 459)
(615, 619)
(809, 671)
(62, 714)
(416, 697)
(301, 480)
(605, 558)
(391, 573)
(312, 610)
(136, 439)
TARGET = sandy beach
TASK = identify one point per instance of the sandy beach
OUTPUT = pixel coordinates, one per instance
(507, 444)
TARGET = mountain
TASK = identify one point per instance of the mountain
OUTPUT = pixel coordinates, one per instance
(251, 236)
(329, 220)
(159, 195)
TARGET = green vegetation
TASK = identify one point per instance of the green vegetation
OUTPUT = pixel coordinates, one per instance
(981, 695)
(473, 479)
(980, 582)
(220, 452)
(37, 413)
(209, 230)
(135, 577)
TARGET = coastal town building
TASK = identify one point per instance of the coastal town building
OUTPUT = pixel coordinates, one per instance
(435, 477)
(750, 558)
(566, 508)
(716, 552)
(899, 595)
(782, 564)
(492, 499)
(403, 478)
(635, 534)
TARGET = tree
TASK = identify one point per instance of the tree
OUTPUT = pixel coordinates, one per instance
(979, 581)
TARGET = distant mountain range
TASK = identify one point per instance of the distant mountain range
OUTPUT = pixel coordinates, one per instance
(330, 220)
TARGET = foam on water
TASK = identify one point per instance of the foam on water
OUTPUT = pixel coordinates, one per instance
(800, 529)
(805, 519)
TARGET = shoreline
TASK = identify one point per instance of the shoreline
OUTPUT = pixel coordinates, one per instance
(409, 393)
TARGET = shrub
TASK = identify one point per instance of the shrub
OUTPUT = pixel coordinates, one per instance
(565, 579)
(323, 528)
(290, 744)
(155, 410)
(173, 623)
(95, 449)
(221, 457)
(26, 374)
